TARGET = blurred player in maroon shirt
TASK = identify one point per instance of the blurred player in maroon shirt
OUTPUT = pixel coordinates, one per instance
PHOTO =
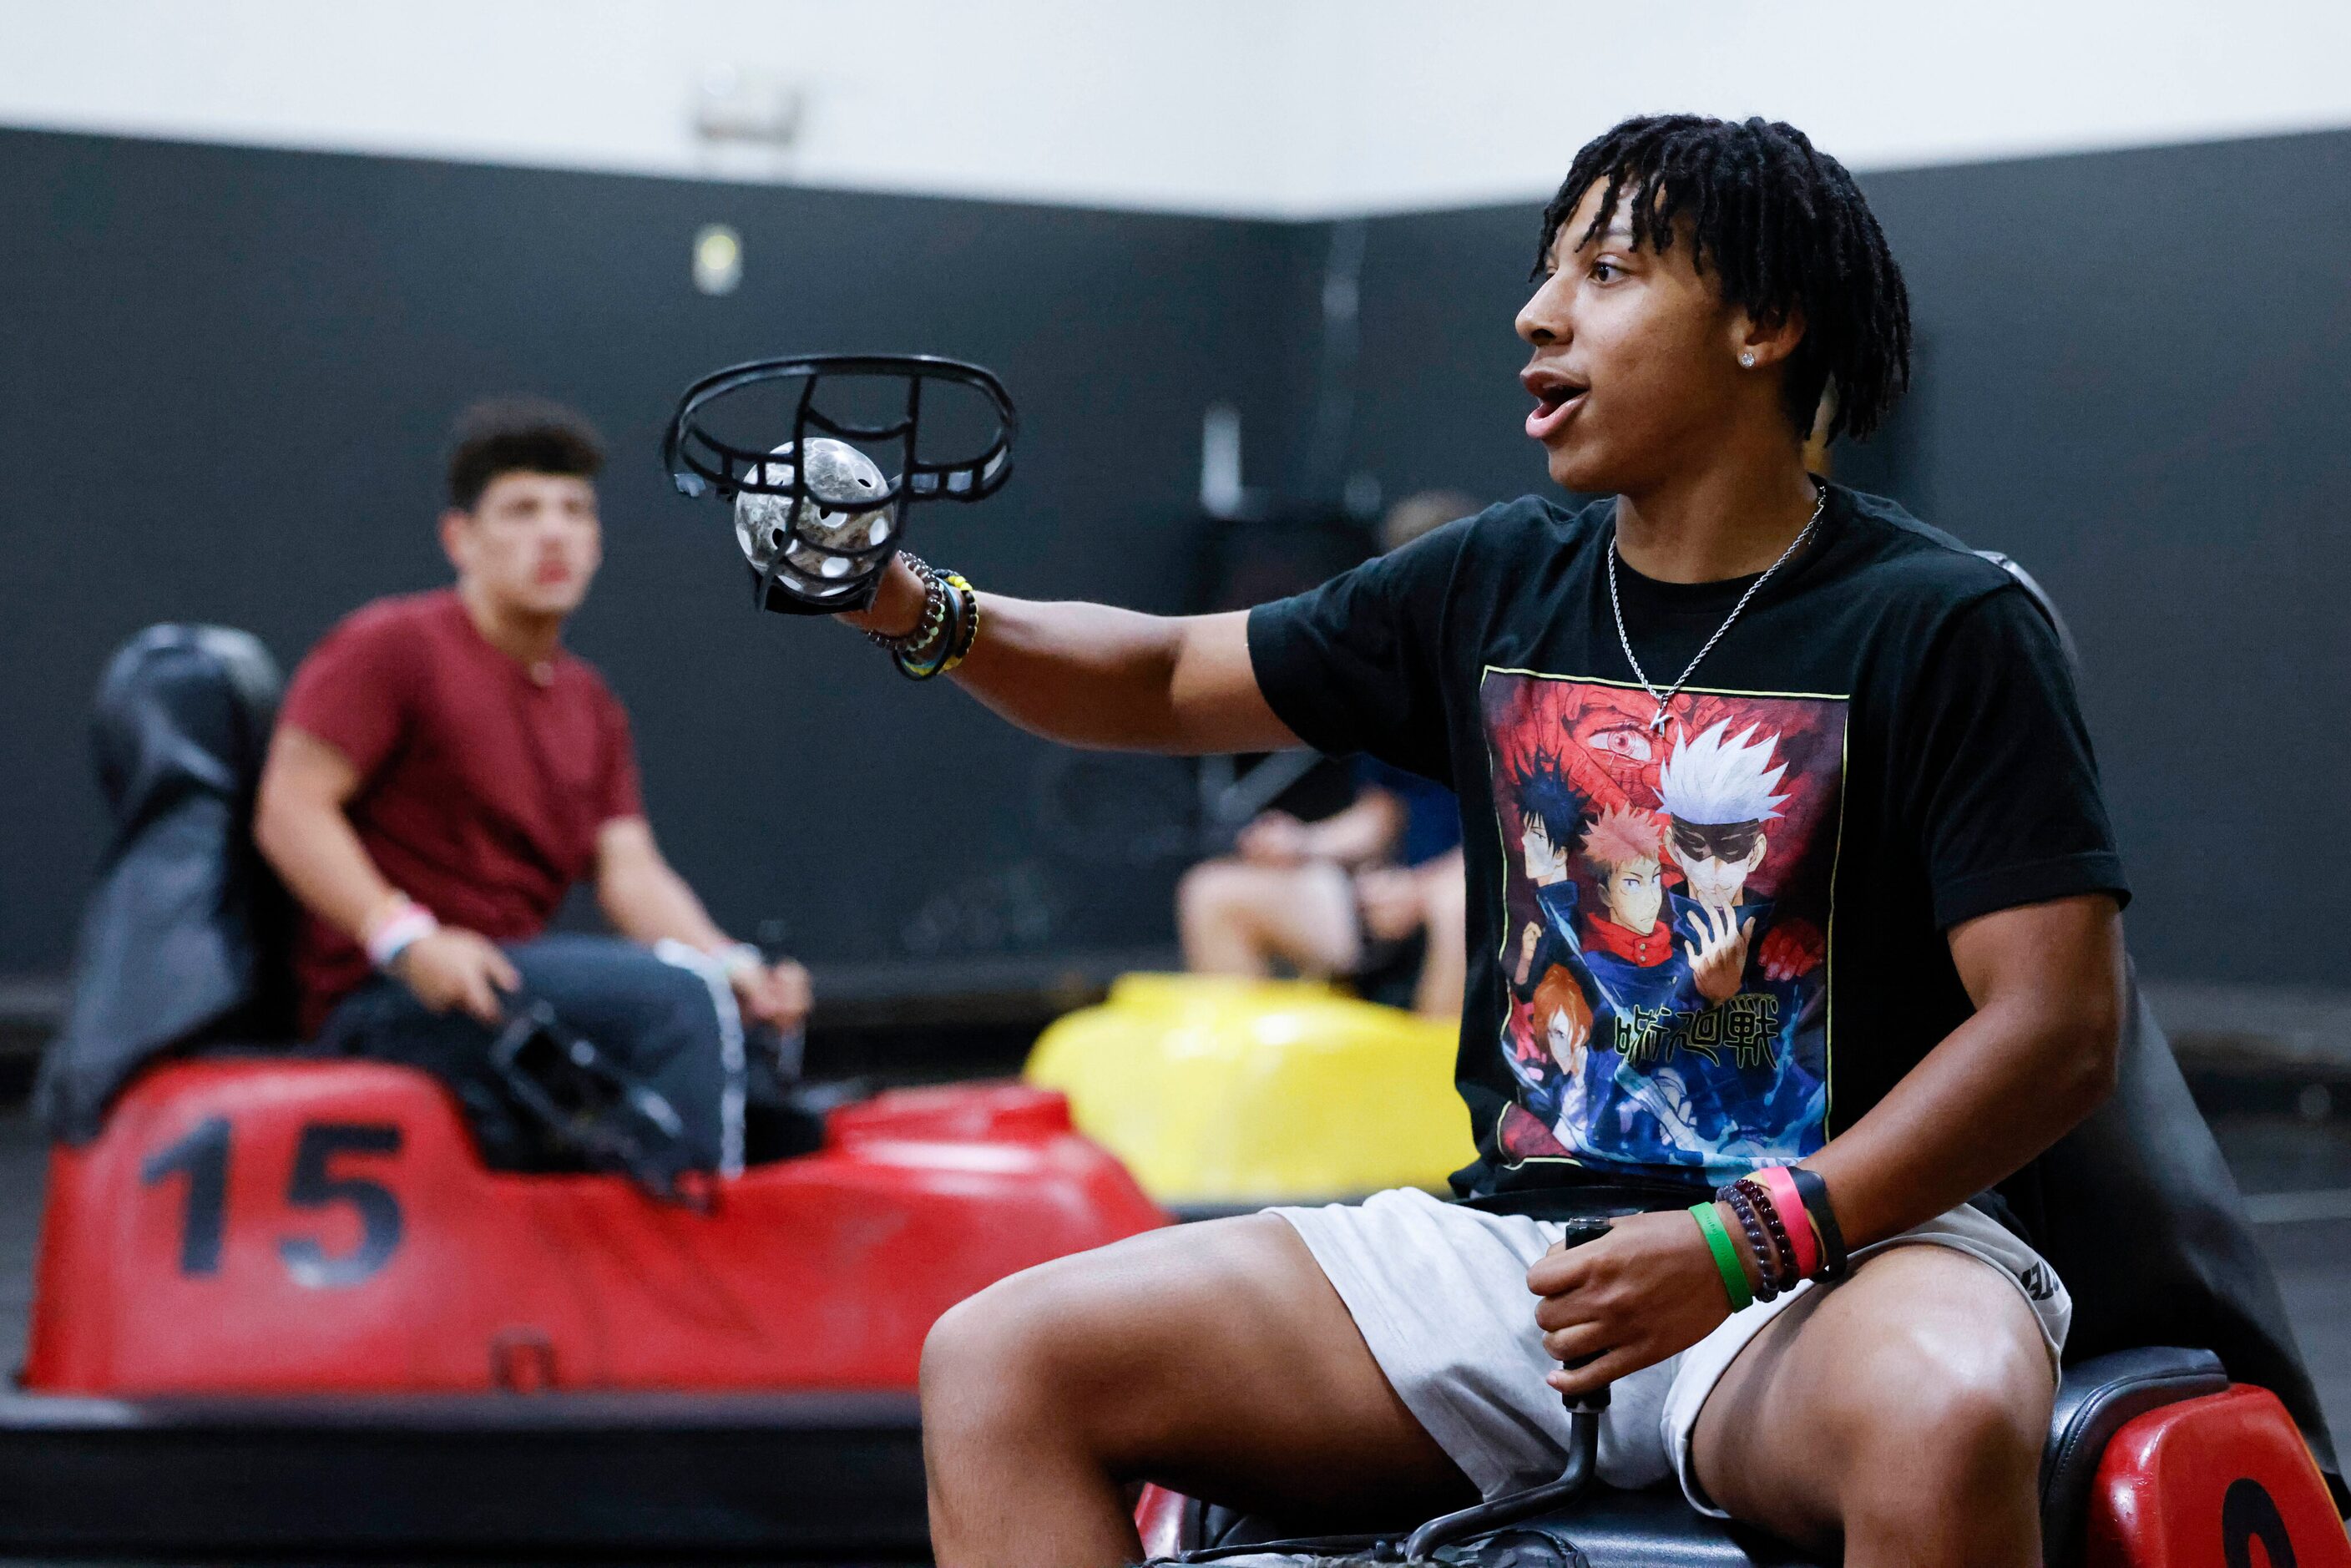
(444, 772)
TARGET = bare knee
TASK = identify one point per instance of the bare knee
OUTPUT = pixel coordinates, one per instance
(986, 1366)
(1010, 1451)
(1099, 1356)
(1957, 1427)
(1216, 904)
(1206, 889)
(958, 1345)
(1903, 1413)
(1067, 1351)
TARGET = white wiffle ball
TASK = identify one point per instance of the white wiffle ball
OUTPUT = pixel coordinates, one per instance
(763, 524)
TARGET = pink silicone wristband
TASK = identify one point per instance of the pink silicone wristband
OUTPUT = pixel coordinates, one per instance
(1794, 1217)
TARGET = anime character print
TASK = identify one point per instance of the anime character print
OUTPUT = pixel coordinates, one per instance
(1667, 896)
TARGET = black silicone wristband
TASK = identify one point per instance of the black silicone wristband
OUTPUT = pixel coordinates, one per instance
(1834, 1264)
(968, 597)
(943, 646)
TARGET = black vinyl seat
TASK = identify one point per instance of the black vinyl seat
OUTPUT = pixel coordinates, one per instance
(184, 942)
(1656, 1529)
(2095, 1399)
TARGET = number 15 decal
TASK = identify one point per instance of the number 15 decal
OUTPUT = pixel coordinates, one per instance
(202, 1156)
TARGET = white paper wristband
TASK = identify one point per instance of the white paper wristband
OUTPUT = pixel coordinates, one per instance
(397, 932)
(739, 958)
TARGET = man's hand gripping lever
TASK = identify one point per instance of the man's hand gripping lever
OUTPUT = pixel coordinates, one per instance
(1584, 1411)
(1453, 1529)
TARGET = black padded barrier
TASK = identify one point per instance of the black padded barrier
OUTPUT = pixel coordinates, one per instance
(828, 1478)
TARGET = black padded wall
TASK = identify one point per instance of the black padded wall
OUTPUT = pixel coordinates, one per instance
(224, 375)
(2136, 378)
(225, 378)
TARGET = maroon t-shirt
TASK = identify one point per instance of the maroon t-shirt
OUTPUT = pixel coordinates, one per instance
(482, 786)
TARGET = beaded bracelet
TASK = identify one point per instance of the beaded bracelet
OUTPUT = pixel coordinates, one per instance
(1726, 1255)
(929, 624)
(1766, 1209)
(1758, 1241)
(942, 637)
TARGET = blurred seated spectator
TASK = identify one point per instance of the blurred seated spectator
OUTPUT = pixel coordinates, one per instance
(1372, 894)
(444, 771)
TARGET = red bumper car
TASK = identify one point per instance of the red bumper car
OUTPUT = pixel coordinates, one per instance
(282, 1303)
(2155, 1460)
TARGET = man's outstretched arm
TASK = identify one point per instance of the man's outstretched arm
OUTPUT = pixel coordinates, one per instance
(1088, 674)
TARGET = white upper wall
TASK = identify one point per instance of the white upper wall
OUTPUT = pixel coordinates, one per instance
(1283, 107)
(1491, 103)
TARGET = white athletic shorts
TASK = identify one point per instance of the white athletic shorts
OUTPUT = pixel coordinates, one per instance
(1439, 1292)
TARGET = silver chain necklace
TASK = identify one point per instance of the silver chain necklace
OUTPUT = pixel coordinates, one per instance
(1658, 724)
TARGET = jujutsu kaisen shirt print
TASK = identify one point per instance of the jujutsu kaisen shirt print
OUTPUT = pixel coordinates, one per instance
(1665, 902)
(1703, 949)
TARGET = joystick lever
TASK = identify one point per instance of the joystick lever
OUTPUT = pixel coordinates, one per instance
(1584, 1413)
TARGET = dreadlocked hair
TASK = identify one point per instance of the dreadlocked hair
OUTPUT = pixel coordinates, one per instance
(1784, 228)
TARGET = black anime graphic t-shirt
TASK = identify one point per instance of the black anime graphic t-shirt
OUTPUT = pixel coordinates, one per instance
(1704, 947)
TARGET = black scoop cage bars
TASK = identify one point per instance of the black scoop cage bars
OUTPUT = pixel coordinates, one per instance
(701, 463)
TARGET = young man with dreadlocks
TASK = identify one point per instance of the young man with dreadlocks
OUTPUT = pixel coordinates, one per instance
(1805, 1323)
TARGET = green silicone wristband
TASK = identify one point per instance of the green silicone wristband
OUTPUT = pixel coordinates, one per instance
(1726, 1255)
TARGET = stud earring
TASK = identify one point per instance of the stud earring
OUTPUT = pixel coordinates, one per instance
(1746, 358)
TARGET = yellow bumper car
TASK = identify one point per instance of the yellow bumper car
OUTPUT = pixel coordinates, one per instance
(1222, 1094)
